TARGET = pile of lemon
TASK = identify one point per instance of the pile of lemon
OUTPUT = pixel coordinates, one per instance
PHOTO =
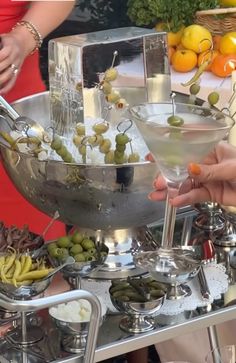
(191, 46)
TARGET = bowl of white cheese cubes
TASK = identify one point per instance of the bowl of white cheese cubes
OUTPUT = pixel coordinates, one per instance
(73, 319)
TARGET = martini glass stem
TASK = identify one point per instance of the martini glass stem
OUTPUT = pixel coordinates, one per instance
(169, 219)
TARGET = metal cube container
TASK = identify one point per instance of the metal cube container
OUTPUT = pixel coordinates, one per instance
(77, 64)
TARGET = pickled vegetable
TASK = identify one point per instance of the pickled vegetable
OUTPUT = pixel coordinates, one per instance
(137, 290)
(18, 269)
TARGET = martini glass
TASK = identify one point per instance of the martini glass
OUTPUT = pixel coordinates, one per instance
(176, 135)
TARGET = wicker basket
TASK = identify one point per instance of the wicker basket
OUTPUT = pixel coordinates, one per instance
(217, 21)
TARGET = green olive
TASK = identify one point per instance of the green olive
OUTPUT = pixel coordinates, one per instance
(63, 241)
(77, 237)
(105, 146)
(95, 140)
(79, 257)
(119, 157)
(133, 158)
(194, 89)
(120, 148)
(175, 121)
(106, 87)
(100, 128)
(63, 254)
(56, 143)
(82, 149)
(91, 258)
(62, 151)
(213, 98)
(77, 140)
(109, 157)
(68, 158)
(56, 252)
(92, 251)
(122, 139)
(113, 97)
(77, 248)
(87, 244)
(110, 74)
(80, 129)
(51, 246)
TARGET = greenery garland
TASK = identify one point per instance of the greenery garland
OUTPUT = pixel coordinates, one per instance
(175, 13)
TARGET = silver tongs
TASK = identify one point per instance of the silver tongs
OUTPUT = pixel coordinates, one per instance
(205, 291)
(21, 123)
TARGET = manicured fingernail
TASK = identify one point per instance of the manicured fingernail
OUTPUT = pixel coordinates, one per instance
(150, 196)
(194, 169)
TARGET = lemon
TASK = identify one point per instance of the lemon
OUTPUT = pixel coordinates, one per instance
(228, 43)
(173, 38)
(196, 38)
(227, 3)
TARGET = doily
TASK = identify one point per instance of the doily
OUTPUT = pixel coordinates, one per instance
(216, 278)
(218, 284)
(100, 288)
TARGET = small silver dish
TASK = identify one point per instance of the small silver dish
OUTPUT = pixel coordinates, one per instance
(74, 334)
(74, 272)
(139, 315)
(25, 292)
(173, 267)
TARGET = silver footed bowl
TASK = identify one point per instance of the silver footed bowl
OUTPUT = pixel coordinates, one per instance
(72, 328)
(25, 292)
(82, 269)
(100, 197)
(137, 295)
(175, 266)
(140, 308)
(74, 333)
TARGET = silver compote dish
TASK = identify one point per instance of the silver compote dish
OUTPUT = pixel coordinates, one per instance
(139, 299)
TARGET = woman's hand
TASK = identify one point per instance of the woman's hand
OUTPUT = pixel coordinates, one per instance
(213, 180)
(12, 55)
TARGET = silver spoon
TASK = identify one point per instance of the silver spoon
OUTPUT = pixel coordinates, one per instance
(69, 261)
(35, 254)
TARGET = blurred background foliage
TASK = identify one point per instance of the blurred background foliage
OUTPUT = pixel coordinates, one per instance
(104, 13)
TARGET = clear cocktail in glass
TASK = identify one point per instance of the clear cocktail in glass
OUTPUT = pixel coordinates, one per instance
(176, 134)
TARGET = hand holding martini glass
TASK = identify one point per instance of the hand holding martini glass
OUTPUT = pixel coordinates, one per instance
(176, 134)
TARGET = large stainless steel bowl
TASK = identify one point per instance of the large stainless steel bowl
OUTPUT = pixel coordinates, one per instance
(96, 197)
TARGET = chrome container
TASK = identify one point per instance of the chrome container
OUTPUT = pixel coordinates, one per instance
(97, 197)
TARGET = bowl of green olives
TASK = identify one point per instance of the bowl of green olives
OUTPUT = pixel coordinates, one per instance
(88, 254)
(139, 298)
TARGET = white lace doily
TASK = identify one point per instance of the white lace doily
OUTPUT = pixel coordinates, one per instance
(217, 282)
(100, 288)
